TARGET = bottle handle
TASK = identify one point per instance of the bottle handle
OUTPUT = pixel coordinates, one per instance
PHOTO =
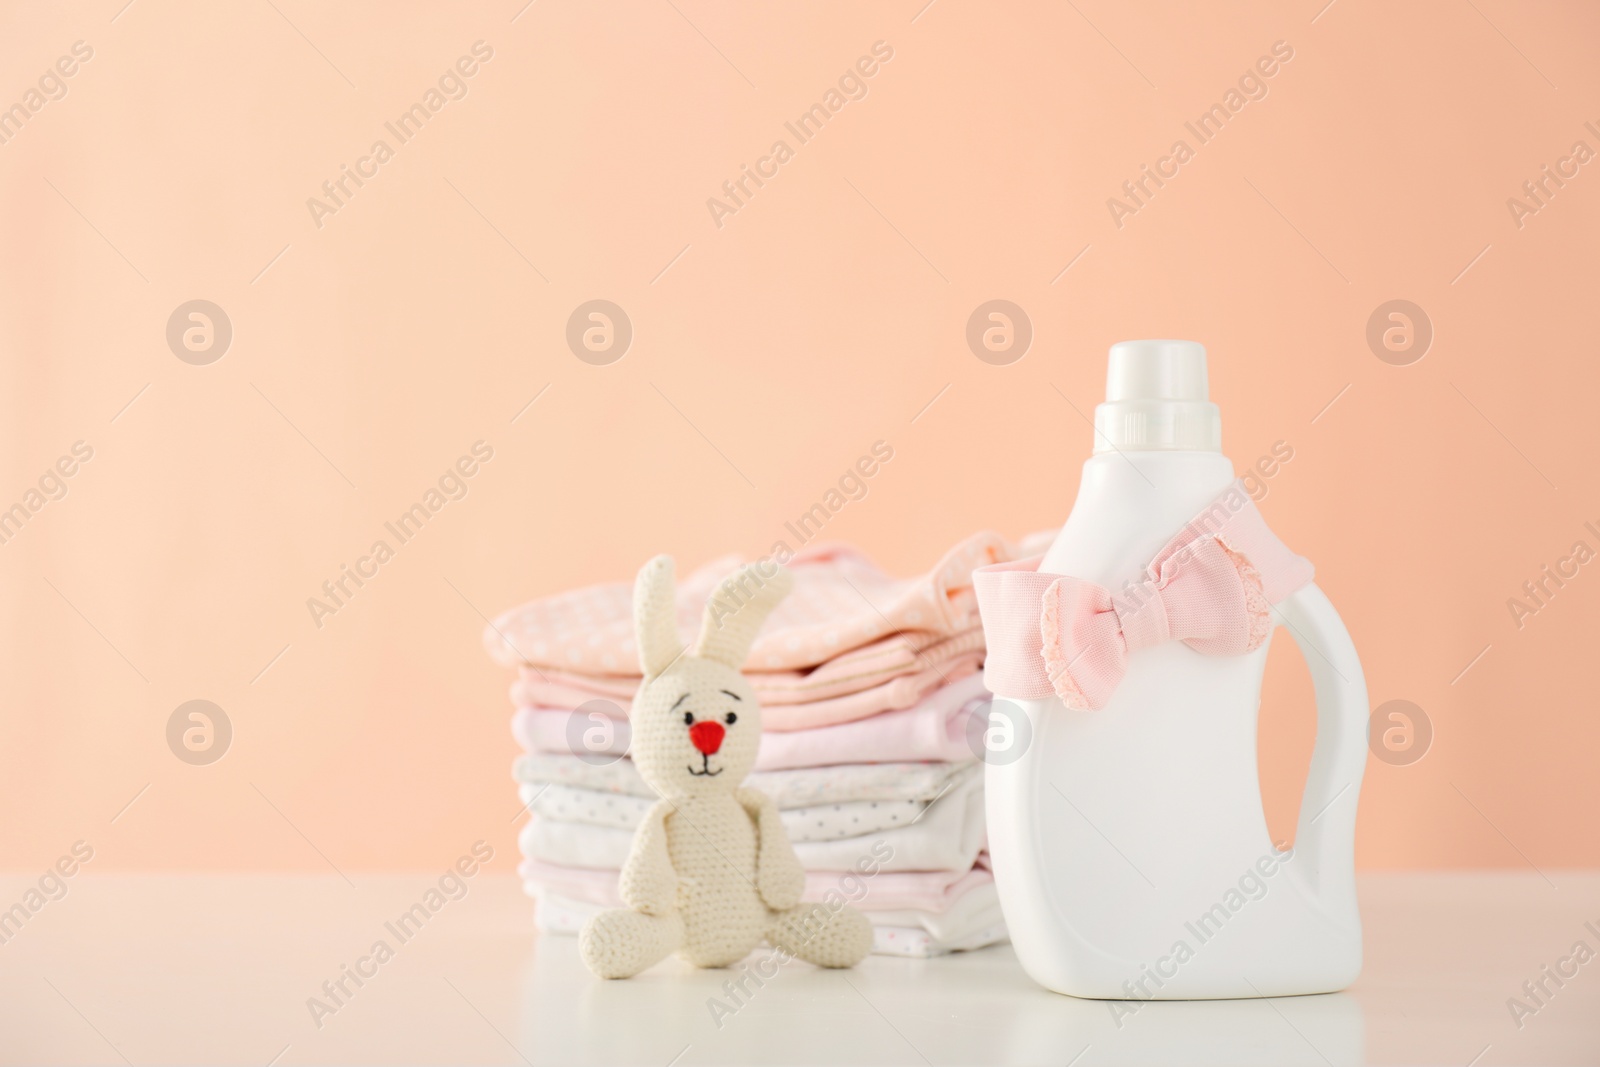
(1324, 847)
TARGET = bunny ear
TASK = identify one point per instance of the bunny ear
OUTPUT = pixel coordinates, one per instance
(736, 611)
(655, 616)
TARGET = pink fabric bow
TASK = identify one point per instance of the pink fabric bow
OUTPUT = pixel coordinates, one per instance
(1211, 587)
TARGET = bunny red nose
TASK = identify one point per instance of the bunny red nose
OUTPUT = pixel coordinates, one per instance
(707, 736)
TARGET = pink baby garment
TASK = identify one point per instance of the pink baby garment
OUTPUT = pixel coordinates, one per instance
(841, 601)
(902, 692)
(861, 669)
(934, 729)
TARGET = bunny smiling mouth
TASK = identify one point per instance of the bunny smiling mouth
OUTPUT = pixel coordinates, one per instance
(707, 736)
(706, 771)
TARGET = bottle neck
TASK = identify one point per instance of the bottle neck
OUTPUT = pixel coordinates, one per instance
(1129, 505)
(1157, 425)
(1148, 476)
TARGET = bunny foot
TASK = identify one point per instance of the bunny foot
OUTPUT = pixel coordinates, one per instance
(811, 933)
(621, 943)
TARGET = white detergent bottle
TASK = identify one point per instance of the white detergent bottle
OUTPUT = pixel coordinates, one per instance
(1129, 843)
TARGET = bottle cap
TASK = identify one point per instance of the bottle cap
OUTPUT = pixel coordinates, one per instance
(1157, 399)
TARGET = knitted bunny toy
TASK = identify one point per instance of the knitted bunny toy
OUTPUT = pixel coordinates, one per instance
(711, 873)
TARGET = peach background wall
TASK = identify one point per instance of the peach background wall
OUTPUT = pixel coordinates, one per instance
(768, 352)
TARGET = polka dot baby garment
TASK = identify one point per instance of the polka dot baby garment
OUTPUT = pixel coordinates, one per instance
(841, 601)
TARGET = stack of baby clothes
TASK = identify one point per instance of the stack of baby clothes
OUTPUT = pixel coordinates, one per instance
(868, 686)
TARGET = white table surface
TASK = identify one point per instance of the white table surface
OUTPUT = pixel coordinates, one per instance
(218, 968)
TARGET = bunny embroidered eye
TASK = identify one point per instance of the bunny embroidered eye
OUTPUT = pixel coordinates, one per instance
(730, 718)
(688, 718)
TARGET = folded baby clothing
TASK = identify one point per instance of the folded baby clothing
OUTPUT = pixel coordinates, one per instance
(902, 692)
(796, 787)
(871, 689)
(946, 834)
(841, 601)
(866, 667)
(862, 668)
(579, 732)
(934, 729)
(819, 822)
(906, 691)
